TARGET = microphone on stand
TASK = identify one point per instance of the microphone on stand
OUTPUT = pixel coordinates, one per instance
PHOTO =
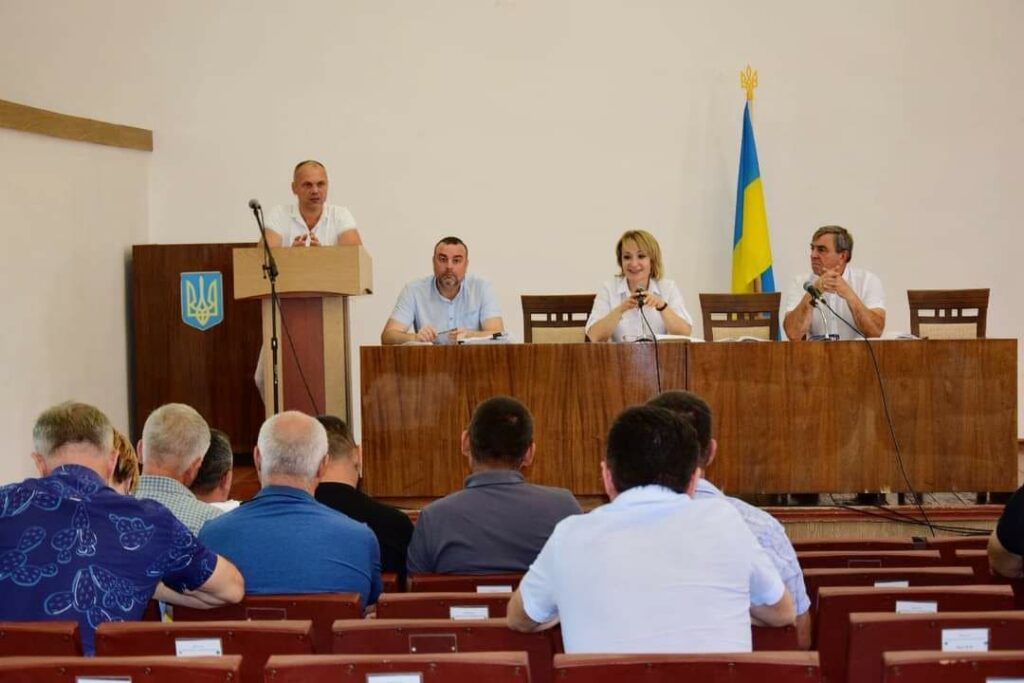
(816, 298)
(639, 294)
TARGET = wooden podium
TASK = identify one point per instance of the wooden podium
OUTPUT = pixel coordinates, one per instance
(313, 286)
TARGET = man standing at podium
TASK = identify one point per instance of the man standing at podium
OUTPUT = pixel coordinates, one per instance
(854, 293)
(447, 305)
(311, 222)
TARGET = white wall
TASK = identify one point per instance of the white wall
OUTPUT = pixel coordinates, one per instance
(538, 131)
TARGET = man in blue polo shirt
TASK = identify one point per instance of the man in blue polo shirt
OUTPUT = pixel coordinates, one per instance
(446, 306)
(283, 540)
(72, 548)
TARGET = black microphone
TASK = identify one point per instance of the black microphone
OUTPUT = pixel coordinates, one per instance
(639, 294)
(812, 290)
(254, 204)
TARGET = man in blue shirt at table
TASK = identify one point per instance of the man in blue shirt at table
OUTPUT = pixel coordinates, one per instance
(283, 540)
(446, 306)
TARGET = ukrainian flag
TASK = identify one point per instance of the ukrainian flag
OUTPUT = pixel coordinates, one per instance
(751, 248)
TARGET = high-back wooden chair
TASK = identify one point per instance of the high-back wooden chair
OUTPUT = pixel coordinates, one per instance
(464, 583)
(740, 315)
(948, 313)
(556, 318)
(452, 605)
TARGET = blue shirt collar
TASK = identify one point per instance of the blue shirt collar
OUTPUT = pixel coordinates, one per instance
(706, 487)
(79, 472)
(287, 491)
(645, 495)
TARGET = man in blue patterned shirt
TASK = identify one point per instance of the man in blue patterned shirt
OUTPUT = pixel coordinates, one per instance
(769, 533)
(72, 548)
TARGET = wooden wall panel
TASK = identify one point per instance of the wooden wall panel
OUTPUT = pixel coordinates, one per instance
(212, 370)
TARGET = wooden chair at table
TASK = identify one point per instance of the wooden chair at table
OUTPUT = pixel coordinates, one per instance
(556, 318)
(320, 608)
(948, 313)
(457, 667)
(165, 669)
(40, 638)
(254, 641)
(741, 315)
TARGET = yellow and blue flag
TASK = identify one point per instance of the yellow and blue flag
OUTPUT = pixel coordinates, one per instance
(751, 248)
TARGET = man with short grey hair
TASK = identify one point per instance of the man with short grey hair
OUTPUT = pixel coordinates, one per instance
(174, 440)
(75, 549)
(283, 540)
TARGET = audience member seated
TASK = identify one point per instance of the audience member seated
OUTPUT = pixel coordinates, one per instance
(126, 472)
(1006, 544)
(174, 439)
(654, 570)
(695, 411)
(339, 489)
(498, 522)
(283, 540)
(213, 480)
(73, 548)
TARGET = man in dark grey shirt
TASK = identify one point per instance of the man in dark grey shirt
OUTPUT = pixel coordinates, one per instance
(498, 522)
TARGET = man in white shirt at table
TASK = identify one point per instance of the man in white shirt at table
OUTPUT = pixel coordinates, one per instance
(853, 293)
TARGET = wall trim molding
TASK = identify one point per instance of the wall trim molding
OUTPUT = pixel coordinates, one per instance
(42, 122)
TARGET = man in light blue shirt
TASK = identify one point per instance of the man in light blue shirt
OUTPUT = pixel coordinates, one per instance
(770, 534)
(446, 306)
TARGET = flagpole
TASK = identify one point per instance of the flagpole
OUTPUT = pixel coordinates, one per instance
(748, 81)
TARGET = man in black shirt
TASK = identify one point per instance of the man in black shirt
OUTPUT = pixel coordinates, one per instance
(337, 490)
(1006, 545)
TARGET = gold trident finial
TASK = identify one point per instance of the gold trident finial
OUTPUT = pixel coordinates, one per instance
(748, 81)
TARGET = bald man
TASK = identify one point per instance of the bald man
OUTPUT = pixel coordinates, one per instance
(311, 222)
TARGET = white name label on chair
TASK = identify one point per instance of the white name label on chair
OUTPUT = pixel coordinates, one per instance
(394, 678)
(899, 583)
(916, 607)
(494, 589)
(965, 640)
(469, 612)
(103, 679)
(1004, 680)
(198, 647)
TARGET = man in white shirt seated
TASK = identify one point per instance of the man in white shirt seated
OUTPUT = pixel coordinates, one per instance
(311, 222)
(853, 293)
(654, 570)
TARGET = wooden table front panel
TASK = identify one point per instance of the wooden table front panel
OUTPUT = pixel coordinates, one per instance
(808, 417)
(416, 400)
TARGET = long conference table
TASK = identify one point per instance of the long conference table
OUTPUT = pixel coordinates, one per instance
(789, 416)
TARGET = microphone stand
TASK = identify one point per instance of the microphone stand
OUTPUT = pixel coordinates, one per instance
(270, 272)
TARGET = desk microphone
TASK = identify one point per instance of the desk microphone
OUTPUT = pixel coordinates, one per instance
(639, 294)
(808, 287)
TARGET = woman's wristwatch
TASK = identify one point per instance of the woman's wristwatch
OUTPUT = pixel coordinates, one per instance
(662, 307)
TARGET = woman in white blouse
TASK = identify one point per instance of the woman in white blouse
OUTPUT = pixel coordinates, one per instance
(616, 315)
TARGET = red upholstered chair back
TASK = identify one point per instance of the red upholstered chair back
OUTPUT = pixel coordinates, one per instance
(253, 640)
(39, 638)
(149, 669)
(914, 576)
(946, 667)
(857, 544)
(947, 545)
(463, 583)
(461, 667)
(873, 634)
(320, 608)
(750, 667)
(835, 604)
(432, 636)
(442, 605)
(866, 559)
